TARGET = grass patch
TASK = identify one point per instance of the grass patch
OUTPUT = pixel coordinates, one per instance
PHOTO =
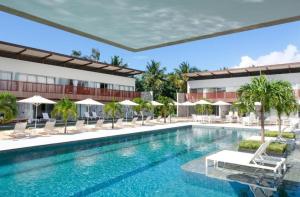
(253, 145)
(287, 135)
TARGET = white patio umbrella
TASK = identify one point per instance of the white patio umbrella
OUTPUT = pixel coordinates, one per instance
(187, 103)
(202, 102)
(88, 102)
(155, 103)
(127, 103)
(36, 101)
(221, 103)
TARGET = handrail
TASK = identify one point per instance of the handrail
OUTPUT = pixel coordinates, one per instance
(21, 86)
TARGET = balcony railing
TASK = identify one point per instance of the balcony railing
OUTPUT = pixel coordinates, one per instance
(53, 91)
(226, 96)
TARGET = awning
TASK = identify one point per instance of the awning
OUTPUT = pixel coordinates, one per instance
(139, 25)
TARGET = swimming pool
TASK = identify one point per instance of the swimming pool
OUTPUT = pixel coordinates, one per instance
(138, 165)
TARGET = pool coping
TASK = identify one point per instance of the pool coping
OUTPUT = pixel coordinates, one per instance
(19, 145)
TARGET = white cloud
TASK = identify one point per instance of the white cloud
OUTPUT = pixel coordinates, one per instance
(289, 54)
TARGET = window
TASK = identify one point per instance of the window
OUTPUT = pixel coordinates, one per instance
(31, 78)
(41, 79)
(5, 75)
(50, 80)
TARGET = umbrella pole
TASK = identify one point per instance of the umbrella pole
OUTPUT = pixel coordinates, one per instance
(126, 112)
(35, 116)
(87, 118)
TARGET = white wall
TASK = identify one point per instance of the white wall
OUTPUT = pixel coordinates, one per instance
(234, 83)
(13, 65)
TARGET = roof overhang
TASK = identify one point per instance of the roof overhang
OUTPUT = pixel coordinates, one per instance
(248, 71)
(138, 25)
(20, 52)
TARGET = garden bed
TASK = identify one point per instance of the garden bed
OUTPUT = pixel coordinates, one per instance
(275, 148)
(287, 135)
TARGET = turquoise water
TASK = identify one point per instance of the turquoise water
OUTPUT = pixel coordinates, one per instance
(144, 165)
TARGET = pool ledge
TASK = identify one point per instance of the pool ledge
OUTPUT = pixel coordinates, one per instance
(14, 144)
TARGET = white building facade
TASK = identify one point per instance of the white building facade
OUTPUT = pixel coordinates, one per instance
(26, 71)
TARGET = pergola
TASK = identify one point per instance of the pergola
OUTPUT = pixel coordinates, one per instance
(138, 25)
(48, 57)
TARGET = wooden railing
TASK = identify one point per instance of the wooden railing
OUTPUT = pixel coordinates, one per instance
(226, 96)
(53, 91)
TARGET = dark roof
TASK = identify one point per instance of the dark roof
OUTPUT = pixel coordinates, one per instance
(249, 71)
(20, 52)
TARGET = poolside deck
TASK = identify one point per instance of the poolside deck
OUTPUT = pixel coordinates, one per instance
(197, 166)
(7, 143)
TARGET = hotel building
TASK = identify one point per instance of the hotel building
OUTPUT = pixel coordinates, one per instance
(26, 71)
(223, 84)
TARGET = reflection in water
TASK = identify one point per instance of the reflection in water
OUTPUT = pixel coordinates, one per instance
(154, 144)
(128, 151)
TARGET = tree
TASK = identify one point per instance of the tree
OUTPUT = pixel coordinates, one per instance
(154, 77)
(113, 109)
(66, 109)
(8, 107)
(95, 56)
(76, 53)
(204, 109)
(117, 61)
(167, 108)
(283, 99)
(181, 72)
(258, 90)
(142, 107)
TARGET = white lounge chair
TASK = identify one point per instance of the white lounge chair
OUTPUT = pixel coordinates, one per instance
(147, 121)
(87, 115)
(119, 123)
(20, 130)
(158, 119)
(98, 125)
(256, 160)
(50, 128)
(46, 116)
(95, 116)
(79, 126)
(133, 122)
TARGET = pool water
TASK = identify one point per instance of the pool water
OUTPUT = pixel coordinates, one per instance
(143, 165)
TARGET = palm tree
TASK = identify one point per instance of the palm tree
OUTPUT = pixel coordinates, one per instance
(66, 109)
(76, 53)
(142, 107)
(181, 72)
(117, 61)
(8, 107)
(258, 90)
(154, 77)
(95, 55)
(113, 109)
(283, 99)
(178, 83)
(167, 108)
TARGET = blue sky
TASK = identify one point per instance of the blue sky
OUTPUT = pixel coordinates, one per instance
(211, 54)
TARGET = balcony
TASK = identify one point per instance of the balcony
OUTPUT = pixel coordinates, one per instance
(53, 91)
(212, 96)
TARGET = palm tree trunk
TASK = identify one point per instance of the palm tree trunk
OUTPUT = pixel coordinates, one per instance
(262, 123)
(165, 119)
(113, 121)
(65, 127)
(279, 126)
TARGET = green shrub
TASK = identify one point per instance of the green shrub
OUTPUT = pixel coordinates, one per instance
(288, 135)
(253, 145)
